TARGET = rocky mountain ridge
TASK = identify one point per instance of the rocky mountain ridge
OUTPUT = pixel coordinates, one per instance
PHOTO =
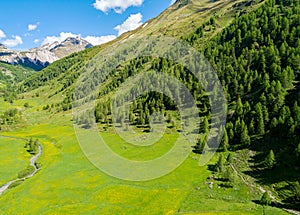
(40, 57)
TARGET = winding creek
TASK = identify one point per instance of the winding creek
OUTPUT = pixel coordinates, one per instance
(32, 163)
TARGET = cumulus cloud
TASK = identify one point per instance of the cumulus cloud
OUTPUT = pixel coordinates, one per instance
(99, 40)
(16, 40)
(62, 36)
(2, 34)
(32, 27)
(118, 6)
(133, 21)
(36, 41)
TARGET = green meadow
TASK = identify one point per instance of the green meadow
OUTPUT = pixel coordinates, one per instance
(69, 183)
(14, 158)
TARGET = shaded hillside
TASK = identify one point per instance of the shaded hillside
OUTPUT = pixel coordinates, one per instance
(257, 59)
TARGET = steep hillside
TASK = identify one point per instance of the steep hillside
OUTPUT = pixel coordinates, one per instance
(254, 47)
(10, 75)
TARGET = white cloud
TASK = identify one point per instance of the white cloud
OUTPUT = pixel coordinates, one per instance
(36, 41)
(2, 34)
(99, 40)
(119, 6)
(32, 27)
(133, 21)
(172, 2)
(17, 40)
(62, 36)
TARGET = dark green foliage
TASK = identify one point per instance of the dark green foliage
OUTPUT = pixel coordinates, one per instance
(296, 191)
(298, 151)
(266, 199)
(225, 141)
(26, 172)
(230, 158)
(220, 164)
(32, 146)
(270, 160)
(10, 75)
(10, 117)
(200, 146)
(257, 59)
(26, 105)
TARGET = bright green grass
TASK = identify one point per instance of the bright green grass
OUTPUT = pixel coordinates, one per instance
(14, 158)
(4, 105)
(69, 184)
(237, 200)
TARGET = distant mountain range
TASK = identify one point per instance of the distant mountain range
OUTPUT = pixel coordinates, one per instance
(40, 57)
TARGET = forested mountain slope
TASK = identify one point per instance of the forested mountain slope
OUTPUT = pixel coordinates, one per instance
(257, 59)
(255, 48)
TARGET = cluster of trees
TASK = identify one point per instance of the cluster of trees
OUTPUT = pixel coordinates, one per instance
(32, 146)
(145, 104)
(257, 59)
(10, 75)
(16, 73)
(225, 170)
(10, 117)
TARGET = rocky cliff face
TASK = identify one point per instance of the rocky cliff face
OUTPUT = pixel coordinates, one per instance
(40, 57)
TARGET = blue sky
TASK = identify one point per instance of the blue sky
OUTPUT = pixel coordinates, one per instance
(26, 24)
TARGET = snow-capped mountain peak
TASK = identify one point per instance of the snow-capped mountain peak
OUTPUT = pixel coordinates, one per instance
(40, 57)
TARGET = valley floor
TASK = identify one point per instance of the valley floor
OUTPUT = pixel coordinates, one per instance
(68, 183)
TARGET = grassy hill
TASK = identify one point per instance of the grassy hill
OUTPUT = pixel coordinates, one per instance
(13, 74)
(254, 47)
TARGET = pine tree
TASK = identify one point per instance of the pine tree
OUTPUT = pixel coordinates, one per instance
(230, 158)
(239, 107)
(274, 123)
(205, 126)
(200, 146)
(225, 141)
(270, 160)
(261, 127)
(296, 191)
(245, 138)
(220, 164)
(251, 127)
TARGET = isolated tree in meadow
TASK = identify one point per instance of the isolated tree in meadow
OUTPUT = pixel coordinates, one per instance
(220, 164)
(200, 146)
